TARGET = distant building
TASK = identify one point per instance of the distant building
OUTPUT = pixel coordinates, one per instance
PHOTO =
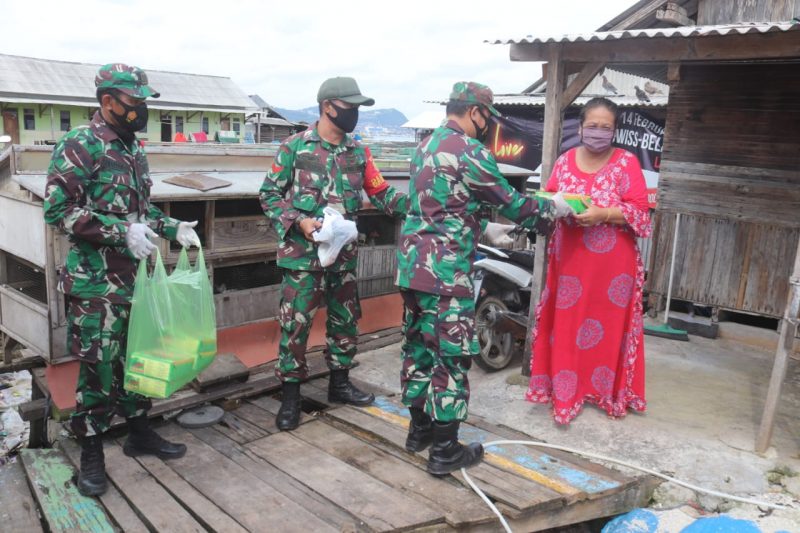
(268, 125)
(41, 99)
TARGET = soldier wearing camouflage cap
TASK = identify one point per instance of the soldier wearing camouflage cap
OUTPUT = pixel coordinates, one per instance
(98, 193)
(323, 166)
(453, 178)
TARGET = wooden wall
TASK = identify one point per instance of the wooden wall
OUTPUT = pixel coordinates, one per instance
(734, 11)
(731, 166)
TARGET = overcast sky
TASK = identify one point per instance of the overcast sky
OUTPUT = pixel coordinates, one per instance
(401, 52)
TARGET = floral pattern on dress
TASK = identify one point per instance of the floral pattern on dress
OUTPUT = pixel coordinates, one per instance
(569, 291)
(621, 290)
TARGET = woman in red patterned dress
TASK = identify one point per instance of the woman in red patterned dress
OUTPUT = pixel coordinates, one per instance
(587, 340)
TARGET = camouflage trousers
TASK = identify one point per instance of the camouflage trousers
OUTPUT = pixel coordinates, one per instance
(97, 334)
(437, 352)
(302, 294)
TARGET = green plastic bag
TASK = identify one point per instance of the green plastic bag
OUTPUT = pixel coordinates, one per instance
(172, 334)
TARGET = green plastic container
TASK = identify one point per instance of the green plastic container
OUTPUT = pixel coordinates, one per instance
(574, 200)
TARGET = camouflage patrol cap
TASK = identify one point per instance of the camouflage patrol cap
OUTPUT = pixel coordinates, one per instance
(130, 80)
(470, 92)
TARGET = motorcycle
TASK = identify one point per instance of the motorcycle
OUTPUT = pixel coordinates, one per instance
(502, 281)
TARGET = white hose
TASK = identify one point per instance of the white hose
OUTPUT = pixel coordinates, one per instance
(695, 488)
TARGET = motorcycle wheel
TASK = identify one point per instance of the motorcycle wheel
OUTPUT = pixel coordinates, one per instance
(496, 350)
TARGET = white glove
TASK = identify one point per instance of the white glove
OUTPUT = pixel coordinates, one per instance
(187, 236)
(497, 234)
(138, 240)
(563, 209)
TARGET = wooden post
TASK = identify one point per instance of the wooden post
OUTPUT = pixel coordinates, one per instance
(551, 145)
(785, 347)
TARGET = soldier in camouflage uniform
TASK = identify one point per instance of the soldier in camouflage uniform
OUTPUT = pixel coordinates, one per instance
(98, 193)
(322, 166)
(453, 177)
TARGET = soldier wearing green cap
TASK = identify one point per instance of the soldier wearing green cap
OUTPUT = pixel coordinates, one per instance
(98, 193)
(453, 178)
(323, 166)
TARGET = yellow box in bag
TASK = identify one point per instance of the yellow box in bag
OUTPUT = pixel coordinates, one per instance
(146, 386)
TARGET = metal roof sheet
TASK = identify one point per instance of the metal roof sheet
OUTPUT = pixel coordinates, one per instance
(427, 120)
(620, 99)
(650, 33)
(48, 81)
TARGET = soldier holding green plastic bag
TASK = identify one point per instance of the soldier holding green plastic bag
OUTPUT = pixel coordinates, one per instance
(98, 193)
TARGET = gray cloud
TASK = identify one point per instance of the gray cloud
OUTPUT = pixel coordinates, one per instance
(400, 52)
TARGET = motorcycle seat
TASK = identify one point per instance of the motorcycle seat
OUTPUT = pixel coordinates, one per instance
(523, 258)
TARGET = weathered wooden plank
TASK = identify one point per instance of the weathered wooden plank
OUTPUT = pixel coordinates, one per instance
(240, 430)
(236, 491)
(460, 505)
(117, 507)
(63, 507)
(536, 465)
(320, 507)
(617, 503)
(519, 493)
(505, 432)
(18, 510)
(263, 410)
(153, 504)
(224, 368)
(380, 506)
(203, 509)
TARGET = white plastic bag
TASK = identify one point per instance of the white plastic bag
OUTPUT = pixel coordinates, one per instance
(336, 232)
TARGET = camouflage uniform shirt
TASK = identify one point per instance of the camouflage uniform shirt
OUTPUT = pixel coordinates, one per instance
(97, 185)
(452, 178)
(306, 169)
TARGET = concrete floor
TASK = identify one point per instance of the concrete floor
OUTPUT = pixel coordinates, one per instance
(705, 399)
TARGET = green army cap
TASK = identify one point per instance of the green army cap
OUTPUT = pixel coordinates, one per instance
(130, 80)
(470, 92)
(343, 88)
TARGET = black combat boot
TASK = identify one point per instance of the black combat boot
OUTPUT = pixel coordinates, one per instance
(447, 454)
(340, 390)
(92, 475)
(289, 414)
(142, 440)
(420, 430)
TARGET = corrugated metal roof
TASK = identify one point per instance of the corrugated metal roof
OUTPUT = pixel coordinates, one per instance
(49, 81)
(427, 120)
(538, 99)
(623, 85)
(650, 33)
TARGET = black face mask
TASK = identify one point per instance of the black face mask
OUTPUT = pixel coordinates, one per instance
(133, 119)
(345, 119)
(481, 134)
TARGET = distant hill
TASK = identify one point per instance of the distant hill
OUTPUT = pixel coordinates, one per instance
(370, 121)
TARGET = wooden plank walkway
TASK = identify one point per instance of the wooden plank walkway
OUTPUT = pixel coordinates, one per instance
(343, 469)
